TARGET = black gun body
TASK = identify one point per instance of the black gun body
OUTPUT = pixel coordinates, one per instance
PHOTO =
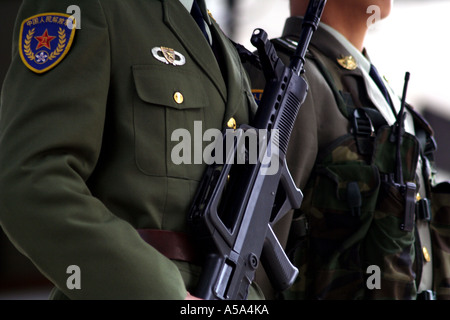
(236, 204)
(236, 247)
(238, 243)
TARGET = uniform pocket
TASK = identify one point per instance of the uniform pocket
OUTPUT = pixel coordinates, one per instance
(389, 248)
(167, 99)
(343, 202)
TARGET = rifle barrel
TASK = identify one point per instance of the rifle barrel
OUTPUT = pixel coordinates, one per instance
(310, 24)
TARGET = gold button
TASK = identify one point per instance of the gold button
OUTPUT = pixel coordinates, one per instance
(426, 255)
(231, 123)
(178, 97)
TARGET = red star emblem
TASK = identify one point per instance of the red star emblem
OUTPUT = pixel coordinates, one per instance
(44, 40)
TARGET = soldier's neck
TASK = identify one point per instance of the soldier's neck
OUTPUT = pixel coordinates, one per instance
(353, 30)
(345, 19)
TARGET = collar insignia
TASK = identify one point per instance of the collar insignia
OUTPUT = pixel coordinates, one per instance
(348, 63)
(168, 56)
(45, 39)
(211, 16)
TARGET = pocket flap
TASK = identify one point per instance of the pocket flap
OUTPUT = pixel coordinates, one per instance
(336, 182)
(366, 176)
(167, 86)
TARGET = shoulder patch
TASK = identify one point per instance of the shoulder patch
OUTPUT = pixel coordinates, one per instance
(45, 39)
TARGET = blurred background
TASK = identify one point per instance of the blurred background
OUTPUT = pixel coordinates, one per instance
(414, 38)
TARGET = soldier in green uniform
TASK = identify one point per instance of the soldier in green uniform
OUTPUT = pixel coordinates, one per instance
(354, 237)
(87, 115)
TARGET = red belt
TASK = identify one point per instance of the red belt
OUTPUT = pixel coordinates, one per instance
(174, 245)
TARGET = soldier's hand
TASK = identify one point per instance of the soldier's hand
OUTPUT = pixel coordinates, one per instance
(191, 297)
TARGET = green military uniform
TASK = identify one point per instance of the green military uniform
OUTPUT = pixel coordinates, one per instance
(85, 145)
(339, 233)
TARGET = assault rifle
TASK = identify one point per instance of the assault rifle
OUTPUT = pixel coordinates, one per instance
(236, 205)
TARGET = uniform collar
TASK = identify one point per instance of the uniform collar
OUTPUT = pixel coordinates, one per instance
(334, 45)
(182, 25)
(329, 40)
(361, 59)
(230, 82)
(187, 4)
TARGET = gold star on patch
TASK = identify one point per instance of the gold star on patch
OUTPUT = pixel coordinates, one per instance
(44, 40)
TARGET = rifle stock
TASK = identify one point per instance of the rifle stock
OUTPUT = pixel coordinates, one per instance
(236, 205)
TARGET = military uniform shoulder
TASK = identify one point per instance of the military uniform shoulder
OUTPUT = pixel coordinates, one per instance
(284, 44)
(285, 48)
(47, 31)
(45, 39)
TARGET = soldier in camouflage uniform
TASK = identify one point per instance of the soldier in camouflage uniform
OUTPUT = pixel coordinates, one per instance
(353, 237)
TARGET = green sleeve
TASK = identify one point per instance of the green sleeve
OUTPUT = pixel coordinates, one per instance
(51, 133)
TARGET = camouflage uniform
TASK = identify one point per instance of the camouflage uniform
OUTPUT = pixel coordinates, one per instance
(342, 156)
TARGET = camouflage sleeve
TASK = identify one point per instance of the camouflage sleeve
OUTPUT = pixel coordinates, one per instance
(440, 232)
